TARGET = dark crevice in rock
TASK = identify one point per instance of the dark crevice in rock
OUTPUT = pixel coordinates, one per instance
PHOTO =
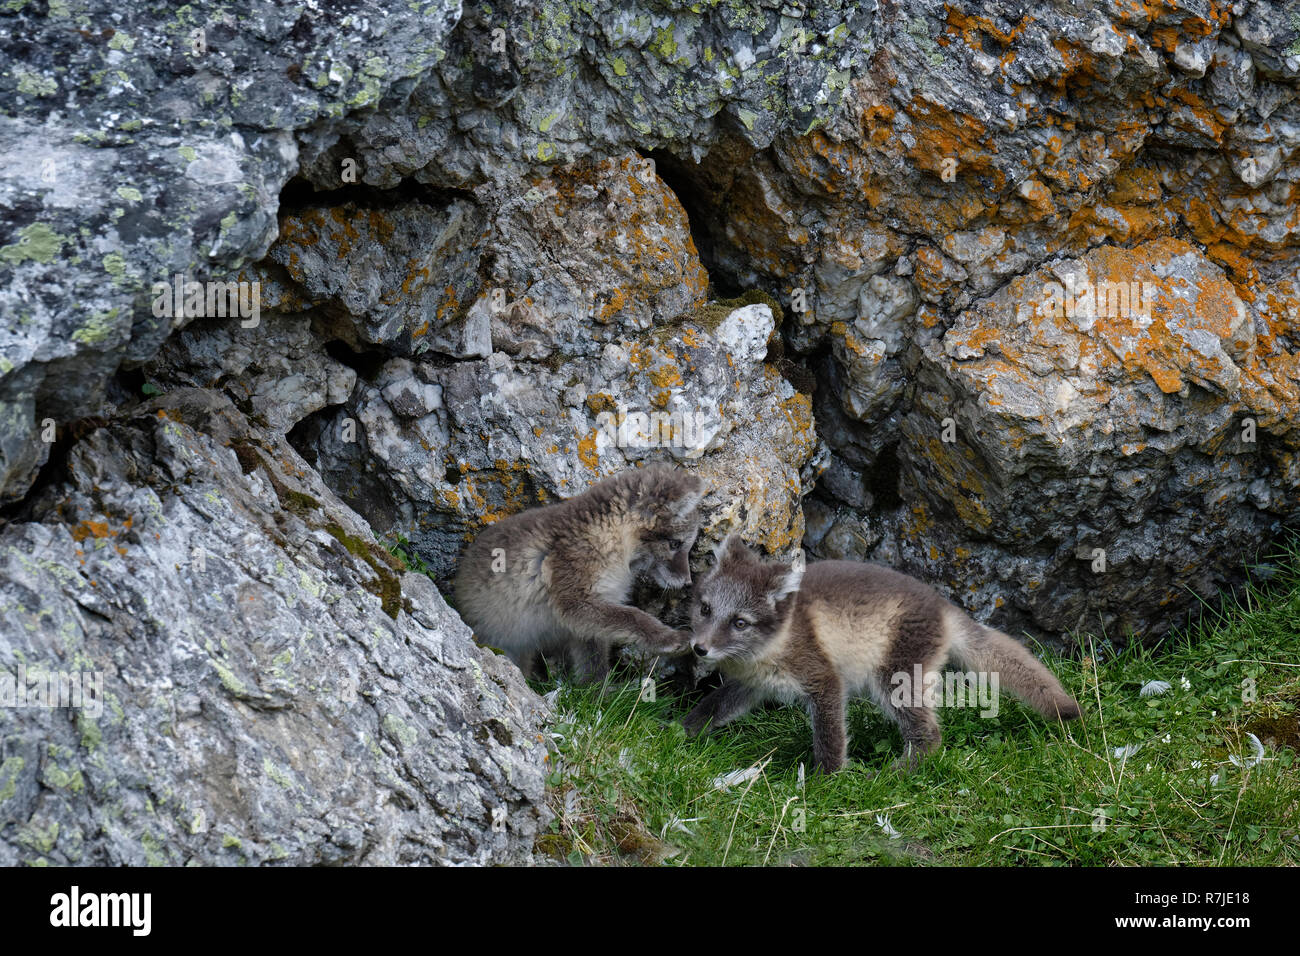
(53, 475)
(305, 437)
(686, 180)
(365, 362)
(882, 478)
(300, 193)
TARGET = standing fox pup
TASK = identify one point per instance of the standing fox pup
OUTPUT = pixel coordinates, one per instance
(558, 578)
(844, 629)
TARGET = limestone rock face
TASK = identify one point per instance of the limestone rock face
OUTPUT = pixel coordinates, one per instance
(274, 687)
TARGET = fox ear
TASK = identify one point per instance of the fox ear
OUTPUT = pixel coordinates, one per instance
(692, 494)
(785, 584)
(732, 548)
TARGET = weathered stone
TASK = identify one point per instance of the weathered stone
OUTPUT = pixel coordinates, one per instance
(275, 688)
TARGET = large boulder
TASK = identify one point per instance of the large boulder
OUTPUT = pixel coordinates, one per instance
(274, 687)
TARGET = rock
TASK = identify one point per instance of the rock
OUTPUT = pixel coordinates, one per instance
(916, 231)
(278, 371)
(274, 687)
(160, 145)
(696, 391)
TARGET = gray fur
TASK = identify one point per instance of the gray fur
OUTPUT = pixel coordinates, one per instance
(564, 572)
(843, 631)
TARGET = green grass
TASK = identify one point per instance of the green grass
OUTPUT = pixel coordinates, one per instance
(628, 787)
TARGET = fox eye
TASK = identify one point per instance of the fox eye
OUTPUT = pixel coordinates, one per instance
(675, 544)
(739, 623)
(705, 610)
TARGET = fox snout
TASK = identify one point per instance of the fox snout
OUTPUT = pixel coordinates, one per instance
(704, 645)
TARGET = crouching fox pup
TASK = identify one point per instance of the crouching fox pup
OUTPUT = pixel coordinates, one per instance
(845, 629)
(558, 578)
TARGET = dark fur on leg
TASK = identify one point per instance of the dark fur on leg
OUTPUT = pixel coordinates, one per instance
(590, 661)
(719, 707)
(830, 737)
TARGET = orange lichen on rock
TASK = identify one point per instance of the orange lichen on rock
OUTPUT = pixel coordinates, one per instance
(941, 134)
(1160, 309)
(587, 453)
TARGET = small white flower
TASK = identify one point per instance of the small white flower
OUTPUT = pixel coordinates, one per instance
(1196, 765)
(729, 780)
(882, 821)
(1254, 759)
(1167, 738)
(1128, 750)
(1186, 684)
(1154, 688)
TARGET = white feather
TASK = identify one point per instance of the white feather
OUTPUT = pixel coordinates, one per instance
(882, 821)
(1154, 688)
(1254, 759)
(729, 780)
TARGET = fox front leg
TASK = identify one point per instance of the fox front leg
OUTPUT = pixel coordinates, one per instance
(720, 706)
(590, 661)
(830, 739)
(620, 624)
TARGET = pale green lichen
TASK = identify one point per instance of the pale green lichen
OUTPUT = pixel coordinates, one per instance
(229, 680)
(276, 774)
(60, 779)
(98, 329)
(38, 839)
(37, 242)
(91, 735)
(153, 849)
(114, 265)
(36, 84)
(9, 771)
(399, 729)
